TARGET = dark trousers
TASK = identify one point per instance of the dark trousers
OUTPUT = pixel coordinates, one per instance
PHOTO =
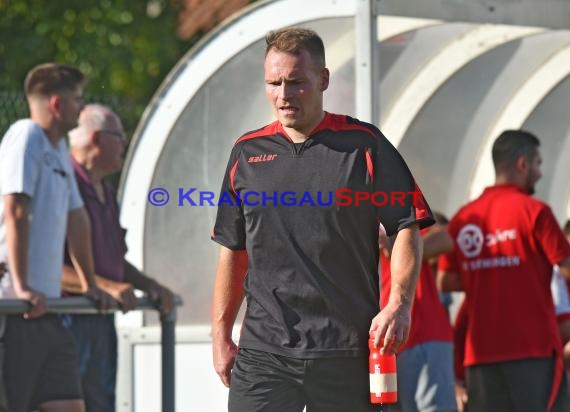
(96, 341)
(40, 362)
(515, 386)
(265, 382)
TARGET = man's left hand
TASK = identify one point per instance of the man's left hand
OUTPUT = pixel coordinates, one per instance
(392, 325)
(162, 297)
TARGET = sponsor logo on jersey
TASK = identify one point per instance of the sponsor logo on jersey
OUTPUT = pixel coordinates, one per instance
(471, 240)
(262, 158)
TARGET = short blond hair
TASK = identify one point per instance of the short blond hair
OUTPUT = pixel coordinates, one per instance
(294, 39)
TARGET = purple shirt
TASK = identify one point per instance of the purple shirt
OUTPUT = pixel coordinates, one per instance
(107, 235)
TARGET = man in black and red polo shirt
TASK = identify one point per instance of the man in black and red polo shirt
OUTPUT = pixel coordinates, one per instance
(506, 245)
(306, 264)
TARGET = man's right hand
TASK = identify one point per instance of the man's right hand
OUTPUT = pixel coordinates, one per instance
(123, 293)
(224, 351)
(37, 300)
(461, 397)
(102, 299)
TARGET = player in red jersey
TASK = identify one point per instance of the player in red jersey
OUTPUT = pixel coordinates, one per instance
(506, 243)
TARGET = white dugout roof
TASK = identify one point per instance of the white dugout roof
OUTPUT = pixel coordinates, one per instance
(446, 90)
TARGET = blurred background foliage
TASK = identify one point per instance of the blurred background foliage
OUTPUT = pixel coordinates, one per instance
(125, 47)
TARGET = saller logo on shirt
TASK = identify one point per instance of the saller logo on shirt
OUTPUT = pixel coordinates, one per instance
(262, 158)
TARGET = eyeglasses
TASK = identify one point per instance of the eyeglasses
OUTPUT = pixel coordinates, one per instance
(120, 135)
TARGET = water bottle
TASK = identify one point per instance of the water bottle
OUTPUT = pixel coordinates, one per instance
(383, 376)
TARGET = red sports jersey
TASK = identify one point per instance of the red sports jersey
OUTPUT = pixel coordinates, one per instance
(429, 320)
(506, 244)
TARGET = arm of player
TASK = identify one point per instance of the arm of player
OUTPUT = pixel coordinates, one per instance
(122, 292)
(448, 281)
(80, 252)
(436, 241)
(393, 321)
(16, 218)
(564, 268)
(228, 296)
(161, 295)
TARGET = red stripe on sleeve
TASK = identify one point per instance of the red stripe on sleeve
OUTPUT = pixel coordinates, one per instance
(369, 165)
(232, 176)
(419, 203)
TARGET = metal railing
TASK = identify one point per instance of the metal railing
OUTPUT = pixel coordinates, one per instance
(82, 305)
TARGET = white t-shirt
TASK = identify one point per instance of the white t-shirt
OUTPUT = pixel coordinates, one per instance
(31, 165)
(559, 293)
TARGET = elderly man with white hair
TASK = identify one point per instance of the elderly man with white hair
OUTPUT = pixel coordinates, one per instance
(97, 146)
